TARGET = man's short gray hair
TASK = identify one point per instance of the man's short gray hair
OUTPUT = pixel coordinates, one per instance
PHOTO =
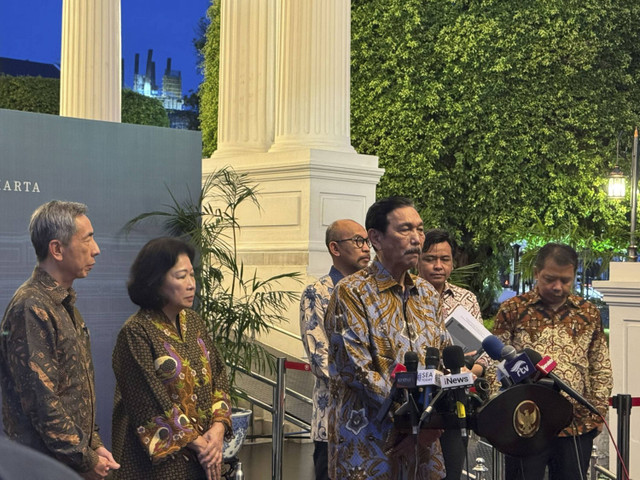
(55, 220)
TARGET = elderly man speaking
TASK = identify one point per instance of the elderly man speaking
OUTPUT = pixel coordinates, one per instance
(374, 317)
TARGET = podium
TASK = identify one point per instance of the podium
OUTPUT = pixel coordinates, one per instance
(521, 420)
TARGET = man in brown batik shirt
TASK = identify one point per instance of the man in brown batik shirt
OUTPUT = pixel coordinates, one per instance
(48, 394)
(553, 321)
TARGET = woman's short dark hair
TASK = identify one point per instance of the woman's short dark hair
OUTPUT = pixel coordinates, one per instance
(149, 268)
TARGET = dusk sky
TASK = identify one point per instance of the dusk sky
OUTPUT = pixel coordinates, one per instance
(31, 30)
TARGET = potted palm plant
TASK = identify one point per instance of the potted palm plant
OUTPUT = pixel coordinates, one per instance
(237, 307)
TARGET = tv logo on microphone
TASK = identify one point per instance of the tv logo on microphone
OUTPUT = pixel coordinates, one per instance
(520, 368)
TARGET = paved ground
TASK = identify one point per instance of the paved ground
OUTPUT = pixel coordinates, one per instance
(297, 460)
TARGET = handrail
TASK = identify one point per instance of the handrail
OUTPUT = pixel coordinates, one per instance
(605, 472)
(285, 332)
(272, 383)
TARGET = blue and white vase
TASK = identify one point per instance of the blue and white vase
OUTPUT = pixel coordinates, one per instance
(240, 420)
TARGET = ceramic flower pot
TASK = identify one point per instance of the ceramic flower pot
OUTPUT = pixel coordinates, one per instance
(240, 419)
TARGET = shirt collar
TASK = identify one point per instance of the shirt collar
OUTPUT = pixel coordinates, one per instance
(535, 298)
(57, 292)
(335, 275)
(448, 290)
(386, 281)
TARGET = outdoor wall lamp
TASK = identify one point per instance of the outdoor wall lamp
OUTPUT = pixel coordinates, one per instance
(617, 189)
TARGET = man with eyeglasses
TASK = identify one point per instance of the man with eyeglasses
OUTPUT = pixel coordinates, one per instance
(349, 248)
(375, 317)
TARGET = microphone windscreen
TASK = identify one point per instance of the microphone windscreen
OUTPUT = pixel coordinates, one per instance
(432, 358)
(493, 346)
(534, 356)
(453, 358)
(411, 361)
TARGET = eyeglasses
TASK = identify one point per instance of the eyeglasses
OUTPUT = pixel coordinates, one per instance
(358, 240)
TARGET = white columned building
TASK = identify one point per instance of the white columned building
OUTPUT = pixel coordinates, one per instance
(90, 60)
(284, 110)
(622, 294)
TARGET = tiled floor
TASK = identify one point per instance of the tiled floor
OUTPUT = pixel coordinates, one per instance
(297, 460)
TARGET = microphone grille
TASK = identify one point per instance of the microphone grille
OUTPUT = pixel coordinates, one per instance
(453, 357)
(432, 357)
(411, 361)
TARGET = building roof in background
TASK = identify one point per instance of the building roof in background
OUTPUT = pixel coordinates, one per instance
(27, 68)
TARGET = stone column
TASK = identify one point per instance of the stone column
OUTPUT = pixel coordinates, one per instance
(622, 294)
(288, 88)
(313, 78)
(90, 64)
(247, 76)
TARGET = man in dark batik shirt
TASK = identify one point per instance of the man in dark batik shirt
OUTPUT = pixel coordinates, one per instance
(48, 392)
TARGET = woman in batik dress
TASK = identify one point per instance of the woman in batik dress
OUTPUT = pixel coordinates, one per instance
(171, 410)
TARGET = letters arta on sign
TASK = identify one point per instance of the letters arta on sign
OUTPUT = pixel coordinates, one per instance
(22, 186)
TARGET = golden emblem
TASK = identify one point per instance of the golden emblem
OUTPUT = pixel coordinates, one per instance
(526, 419)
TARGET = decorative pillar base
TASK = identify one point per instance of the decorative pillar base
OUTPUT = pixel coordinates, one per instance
(300, 193)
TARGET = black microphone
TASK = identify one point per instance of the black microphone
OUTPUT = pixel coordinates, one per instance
(431, 360)
(453, 358)
(410, 407)
(411, 361)
(545, 366)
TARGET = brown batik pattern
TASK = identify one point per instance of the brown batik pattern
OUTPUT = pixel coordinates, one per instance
(572, 336)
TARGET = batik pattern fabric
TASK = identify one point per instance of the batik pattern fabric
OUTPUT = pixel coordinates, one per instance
(573, 336)
(371, 323)
(48, 391)
(313, 307)
(171, 386)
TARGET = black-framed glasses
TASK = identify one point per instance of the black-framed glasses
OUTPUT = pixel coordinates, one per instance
(358, 240)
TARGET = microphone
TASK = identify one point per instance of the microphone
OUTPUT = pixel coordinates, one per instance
(453, 358)
(545, 366)
(431, 377)
(508, 353)
(397, 369)
(493, 346)
(411, 393)
(518, 365)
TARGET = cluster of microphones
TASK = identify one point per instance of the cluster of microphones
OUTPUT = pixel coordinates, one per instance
(448, 398)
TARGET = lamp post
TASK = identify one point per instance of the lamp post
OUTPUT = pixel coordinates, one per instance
(617, 190)
(632, 251)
